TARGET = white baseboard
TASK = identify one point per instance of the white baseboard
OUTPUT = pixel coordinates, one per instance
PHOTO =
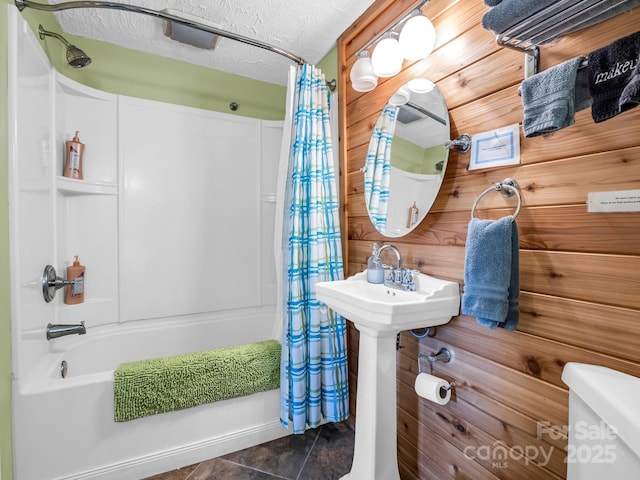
(183, 456)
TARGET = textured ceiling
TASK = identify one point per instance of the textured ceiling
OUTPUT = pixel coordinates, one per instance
(306, 28)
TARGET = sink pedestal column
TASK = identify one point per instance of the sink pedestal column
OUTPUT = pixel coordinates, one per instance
(375, 453)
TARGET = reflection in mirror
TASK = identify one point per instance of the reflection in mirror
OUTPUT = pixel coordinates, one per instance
(401, 183)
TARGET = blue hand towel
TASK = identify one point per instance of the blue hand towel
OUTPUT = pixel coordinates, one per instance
(549, 99)
(491, 273)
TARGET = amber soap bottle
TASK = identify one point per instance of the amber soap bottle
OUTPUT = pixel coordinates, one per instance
(75, 292)
(413, 215)
(73, 162)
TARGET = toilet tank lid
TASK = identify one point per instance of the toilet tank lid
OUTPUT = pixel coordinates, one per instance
(614, 396)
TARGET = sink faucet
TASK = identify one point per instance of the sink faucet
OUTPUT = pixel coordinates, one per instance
(55, 331)
(398, 277)
(394, 250)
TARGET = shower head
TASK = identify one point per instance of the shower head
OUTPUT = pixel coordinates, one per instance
(76, 58)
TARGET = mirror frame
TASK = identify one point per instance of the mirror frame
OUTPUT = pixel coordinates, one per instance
(400, 190)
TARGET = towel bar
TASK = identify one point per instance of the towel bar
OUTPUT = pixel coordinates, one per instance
(554, 21)
(508, 187)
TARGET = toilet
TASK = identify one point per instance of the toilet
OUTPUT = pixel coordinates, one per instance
(604, 423)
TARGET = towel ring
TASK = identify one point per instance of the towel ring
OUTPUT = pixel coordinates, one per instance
(508, 187)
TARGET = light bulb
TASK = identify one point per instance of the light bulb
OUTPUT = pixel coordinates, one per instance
(400, 97)
(417, 38)
(421, 85)
(387, 58)
(363, 79)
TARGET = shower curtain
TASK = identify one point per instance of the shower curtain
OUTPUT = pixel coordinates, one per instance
(314, 373)
(377, 173)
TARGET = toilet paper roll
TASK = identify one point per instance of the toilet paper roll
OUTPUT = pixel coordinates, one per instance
(433, 388)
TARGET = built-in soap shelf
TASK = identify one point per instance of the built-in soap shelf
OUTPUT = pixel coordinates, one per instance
(86, 209)
(88, 303)
(94, 311)
(72, 186)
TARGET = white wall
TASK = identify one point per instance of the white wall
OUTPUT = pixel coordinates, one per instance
(191, 224)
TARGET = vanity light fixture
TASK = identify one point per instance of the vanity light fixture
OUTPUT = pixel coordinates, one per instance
(410, 38)
(363, 78)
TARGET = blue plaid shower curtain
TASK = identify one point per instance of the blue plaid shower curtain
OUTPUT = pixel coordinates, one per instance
(377, 172)
(314, 350)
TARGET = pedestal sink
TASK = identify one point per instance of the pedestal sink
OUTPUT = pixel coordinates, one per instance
(380, 312)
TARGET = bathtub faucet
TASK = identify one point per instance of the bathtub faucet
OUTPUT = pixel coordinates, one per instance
(55, 331)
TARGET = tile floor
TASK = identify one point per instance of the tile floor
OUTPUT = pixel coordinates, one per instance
(323, 453)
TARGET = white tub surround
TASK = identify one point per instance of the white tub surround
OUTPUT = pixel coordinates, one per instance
(163, 187)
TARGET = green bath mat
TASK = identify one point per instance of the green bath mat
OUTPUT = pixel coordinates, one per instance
(161, 385)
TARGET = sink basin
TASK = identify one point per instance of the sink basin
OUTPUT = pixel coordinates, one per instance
(386, 309)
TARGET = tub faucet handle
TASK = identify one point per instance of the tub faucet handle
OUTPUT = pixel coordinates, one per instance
(51, 282)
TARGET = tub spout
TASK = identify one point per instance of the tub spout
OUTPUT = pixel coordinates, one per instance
(55, 331)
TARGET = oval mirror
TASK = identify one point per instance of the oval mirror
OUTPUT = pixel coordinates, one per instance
(406, 158)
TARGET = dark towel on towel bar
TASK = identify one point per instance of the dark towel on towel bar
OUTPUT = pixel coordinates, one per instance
(593, 12)
(508, 13)
(631, 94)
(611, 70)
(492, 273)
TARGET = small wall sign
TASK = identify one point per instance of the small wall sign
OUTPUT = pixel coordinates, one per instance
(616, 201)
(495, 148)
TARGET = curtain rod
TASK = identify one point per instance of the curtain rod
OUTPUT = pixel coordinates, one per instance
(22, 4)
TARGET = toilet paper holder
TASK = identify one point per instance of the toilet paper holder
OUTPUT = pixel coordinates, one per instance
(444, 355)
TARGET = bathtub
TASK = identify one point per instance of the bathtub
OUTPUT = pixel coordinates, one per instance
(64, 428)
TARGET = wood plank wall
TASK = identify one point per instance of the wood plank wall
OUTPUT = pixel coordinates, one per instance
(580, 272)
